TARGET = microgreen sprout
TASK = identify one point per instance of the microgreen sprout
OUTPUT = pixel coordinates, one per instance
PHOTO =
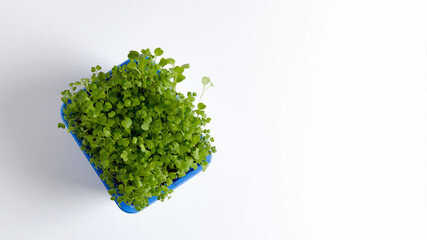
(206, 84)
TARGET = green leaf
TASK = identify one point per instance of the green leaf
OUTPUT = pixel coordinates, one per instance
(111, 114)
(124, 155)
(201, 106)
(150, 144)
(112, 191)
(142, 147)
(162, 62)
(195, 139)
(180, 78)
(158, 51)
(123, 142)
(169, 182)
(61, 125)
(195, 154)
(185, 66)
(157, 109)
(204, 165)
(107, 133)
(127, 122)
(133, 55)
(205, 80)
(138, 182)
(146, 125)
(131, 65)
(170, 61)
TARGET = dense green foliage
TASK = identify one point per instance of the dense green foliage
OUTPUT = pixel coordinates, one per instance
(138, 129)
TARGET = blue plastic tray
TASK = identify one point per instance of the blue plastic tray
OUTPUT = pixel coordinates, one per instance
(123, 206)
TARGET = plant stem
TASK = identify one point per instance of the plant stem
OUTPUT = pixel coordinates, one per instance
(201, 95)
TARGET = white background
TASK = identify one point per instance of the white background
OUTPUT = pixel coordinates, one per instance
(319, 115)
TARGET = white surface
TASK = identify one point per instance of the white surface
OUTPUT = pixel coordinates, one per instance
(319, 114)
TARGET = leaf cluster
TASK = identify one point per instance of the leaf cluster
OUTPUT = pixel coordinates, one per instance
(138, 129)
